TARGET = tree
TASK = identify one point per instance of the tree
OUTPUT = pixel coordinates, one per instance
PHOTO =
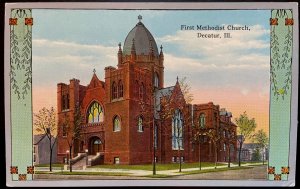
(186, 90)
(73, 130)
(256, 155)
(162, 107)
(246, 127)
(198, 135)
(262, 140)
(45, 122)
(230, 140)
(177, 133)
(214, 136)
(148, 106)
(160, 111)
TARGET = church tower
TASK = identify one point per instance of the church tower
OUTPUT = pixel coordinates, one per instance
(141, 49)
(129, 101)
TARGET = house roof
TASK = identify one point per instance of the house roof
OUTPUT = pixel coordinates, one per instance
(38, 138)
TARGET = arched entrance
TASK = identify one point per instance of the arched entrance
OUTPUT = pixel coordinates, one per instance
(95, 145)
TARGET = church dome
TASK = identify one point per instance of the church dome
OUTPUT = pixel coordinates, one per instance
(143, 40)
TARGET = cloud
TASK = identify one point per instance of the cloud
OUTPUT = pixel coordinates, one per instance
(240, 63)
(59, 61)
(245, 92)
(243, 62)
(241, 41)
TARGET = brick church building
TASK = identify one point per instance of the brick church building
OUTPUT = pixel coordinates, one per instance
(130, 117)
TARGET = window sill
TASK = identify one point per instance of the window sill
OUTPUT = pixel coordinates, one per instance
(65, 110)
(117, 99)
(116, 131)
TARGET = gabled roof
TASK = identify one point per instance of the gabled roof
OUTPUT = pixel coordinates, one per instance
(38, 138)
(251, 145)
(95, 82)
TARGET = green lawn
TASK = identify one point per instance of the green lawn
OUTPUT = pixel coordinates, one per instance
(214, 170)
(251, 163)
(83, 173)
(159, 167)
(47, 165)
(92, 173)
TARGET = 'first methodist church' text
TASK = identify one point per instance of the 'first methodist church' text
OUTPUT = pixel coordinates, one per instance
(214, 28)
(217, 27)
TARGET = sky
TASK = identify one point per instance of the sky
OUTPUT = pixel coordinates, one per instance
(233, 73)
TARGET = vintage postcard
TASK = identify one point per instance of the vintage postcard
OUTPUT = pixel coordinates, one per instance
(149, 94)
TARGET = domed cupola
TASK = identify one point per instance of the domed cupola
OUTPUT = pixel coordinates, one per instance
(143, 41)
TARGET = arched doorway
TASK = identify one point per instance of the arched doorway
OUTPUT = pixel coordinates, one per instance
(95, 145)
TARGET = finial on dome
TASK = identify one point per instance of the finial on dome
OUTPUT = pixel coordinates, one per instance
(161, 47)
(94, 70)
(177, 79)
(140, 18)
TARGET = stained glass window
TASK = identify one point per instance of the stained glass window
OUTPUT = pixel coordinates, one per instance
(202, 121)
(117, 124)
(140, 124)
(95, 113)
(177, 130)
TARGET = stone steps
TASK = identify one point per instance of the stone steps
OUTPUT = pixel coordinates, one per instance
(81, 163)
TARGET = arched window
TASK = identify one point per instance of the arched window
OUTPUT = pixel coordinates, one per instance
(202, 120)
(140, 124)
(177, 130)
(156, 80)
(95, 113)
(142, 91)
(116, 124)
(120, 89)
(98, 141)
(114, 91)
(65, 101)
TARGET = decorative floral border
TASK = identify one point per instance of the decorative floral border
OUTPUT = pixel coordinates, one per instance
(281, 60)
(21, 58)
